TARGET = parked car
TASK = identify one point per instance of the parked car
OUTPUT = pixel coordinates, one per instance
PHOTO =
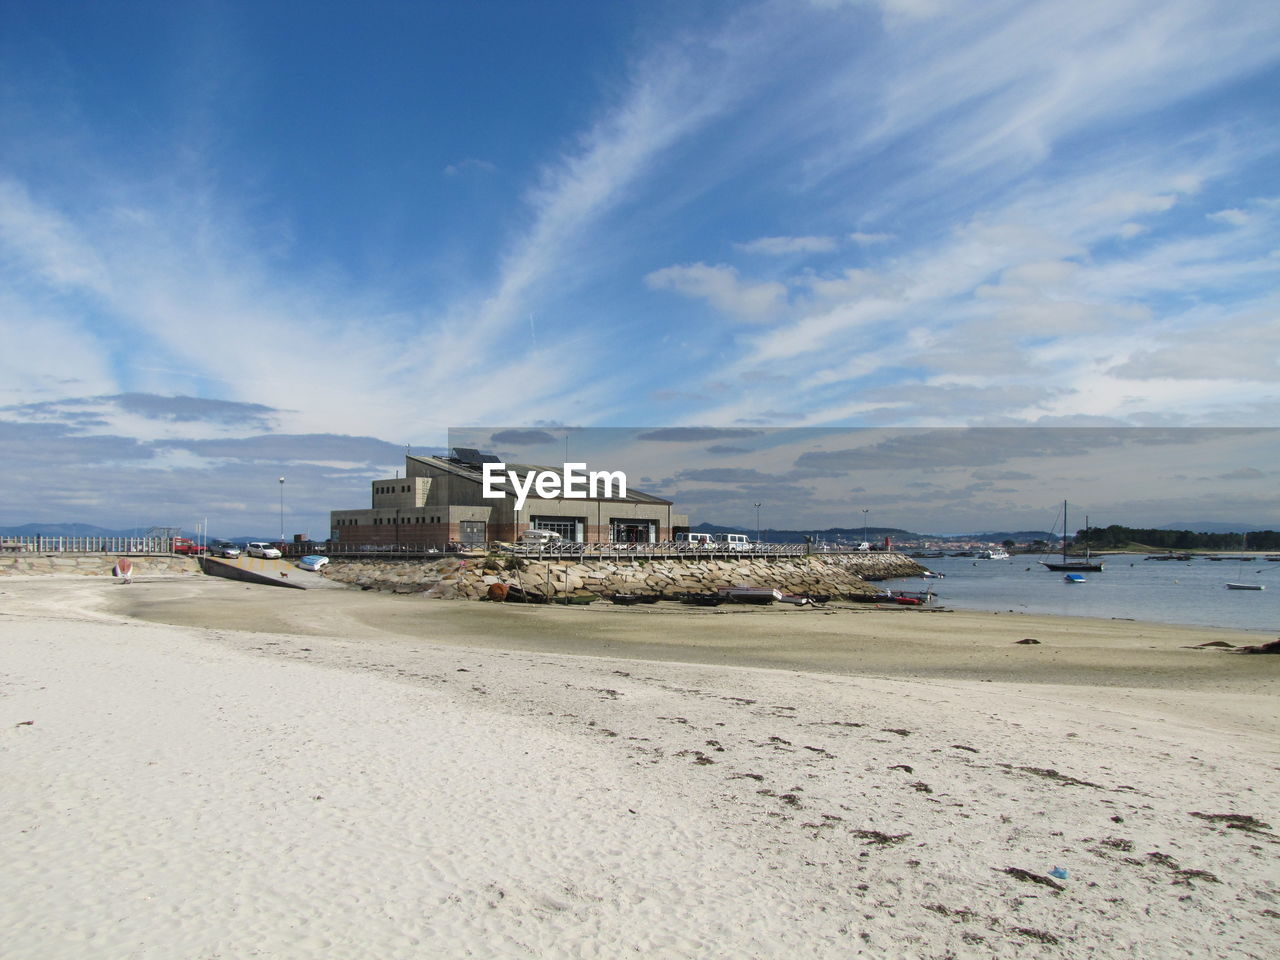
(184, 545)
(260, 548)
(733, 541)
(225, 549)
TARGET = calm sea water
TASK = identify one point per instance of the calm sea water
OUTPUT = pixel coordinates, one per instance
(1162, 591)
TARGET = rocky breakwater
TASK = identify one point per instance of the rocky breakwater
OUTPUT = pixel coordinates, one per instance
(840, 576)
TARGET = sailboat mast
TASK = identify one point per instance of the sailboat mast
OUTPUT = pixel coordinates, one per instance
(1065, 528)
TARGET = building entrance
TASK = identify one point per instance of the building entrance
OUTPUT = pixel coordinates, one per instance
(630, 530)
(569, 528)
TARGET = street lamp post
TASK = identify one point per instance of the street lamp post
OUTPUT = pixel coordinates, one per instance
(757, 523)
(865, 511)
(282, 510)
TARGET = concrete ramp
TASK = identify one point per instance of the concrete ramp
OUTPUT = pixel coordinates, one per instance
(275, 573)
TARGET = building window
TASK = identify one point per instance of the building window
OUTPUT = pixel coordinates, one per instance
(569, 528)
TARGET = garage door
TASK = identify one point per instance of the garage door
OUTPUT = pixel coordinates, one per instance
(472, 531)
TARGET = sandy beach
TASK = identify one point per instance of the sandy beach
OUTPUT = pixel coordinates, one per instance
(195, 768)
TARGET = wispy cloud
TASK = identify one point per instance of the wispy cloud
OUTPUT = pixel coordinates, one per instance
(470, 165)
(721, 286)
(781, 246)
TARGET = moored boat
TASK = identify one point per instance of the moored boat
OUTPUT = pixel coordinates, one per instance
(1246, 586)
(1088, 564)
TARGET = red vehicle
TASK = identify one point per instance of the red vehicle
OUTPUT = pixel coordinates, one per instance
(183, 545)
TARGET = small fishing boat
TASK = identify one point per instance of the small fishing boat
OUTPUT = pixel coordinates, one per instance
(1246, 586)
(1075, 578)
(703, 599)
(930, 575)
(744, 594)
(798, 600)
(909, 598)
(520, 595)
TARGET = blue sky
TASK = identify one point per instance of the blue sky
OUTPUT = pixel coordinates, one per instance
(245, 240)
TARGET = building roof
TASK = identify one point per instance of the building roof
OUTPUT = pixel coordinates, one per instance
(473, 472)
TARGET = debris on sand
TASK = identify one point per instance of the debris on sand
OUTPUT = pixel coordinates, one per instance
(1272, 646)
(1051, 774)
(1019, 874)
(880, 839)
(1237, 821)
(1027, 640)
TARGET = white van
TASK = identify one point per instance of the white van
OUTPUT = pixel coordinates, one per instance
(733, 541)
(698, 539)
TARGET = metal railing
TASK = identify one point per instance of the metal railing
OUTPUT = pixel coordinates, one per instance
(139, 545)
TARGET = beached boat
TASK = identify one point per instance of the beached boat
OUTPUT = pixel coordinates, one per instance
(314, 562)
(1246, 586)
(1087, 565)
(744, 594)
(909, 598)
(703, 599)
(796, 599)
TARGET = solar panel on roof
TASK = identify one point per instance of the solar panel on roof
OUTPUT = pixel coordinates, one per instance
(489, 458)
(467, 454)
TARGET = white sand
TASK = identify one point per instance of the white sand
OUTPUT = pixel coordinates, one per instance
(203, 793)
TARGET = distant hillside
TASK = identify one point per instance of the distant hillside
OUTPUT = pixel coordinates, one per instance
(1018, 536)
(1209, 526)
(63, 530)
(89, 530)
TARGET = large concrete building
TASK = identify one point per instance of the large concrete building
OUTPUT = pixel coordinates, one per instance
(440, 499)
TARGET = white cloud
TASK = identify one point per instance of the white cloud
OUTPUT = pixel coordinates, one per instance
(1232, 217)
(779, 246)
(870, 239)
(721, 286)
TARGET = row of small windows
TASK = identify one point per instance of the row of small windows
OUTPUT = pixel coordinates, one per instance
(389, 522)
(404, 488)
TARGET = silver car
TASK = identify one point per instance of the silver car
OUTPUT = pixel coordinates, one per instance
(258, 548)
(225, 549)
